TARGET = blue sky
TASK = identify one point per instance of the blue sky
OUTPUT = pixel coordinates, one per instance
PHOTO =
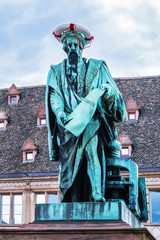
(126, 35)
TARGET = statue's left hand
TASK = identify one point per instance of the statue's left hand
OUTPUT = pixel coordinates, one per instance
(107, 88)
(61, 118)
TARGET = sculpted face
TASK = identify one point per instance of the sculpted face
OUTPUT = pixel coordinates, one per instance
(73, 50)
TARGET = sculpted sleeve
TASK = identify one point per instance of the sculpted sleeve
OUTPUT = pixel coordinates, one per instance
(112, 102)
(51, 118)
(56, 102)
(55, 96)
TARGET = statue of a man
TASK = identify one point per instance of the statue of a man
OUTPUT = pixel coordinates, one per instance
(82, 104)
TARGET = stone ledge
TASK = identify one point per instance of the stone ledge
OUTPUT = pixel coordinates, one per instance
(77, 230)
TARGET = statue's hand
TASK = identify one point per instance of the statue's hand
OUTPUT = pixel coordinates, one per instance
(107, 88)
(61, 118)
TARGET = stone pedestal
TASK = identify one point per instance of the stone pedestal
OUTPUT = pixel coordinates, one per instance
(86, 211)
(81, 221)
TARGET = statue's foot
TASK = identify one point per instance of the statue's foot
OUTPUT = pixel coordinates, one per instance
(98, 198)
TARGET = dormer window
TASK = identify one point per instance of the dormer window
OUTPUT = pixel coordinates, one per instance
(3, 120)
(13, 95)
(41, 116)
(132, 111)
(126, 145)
(29, 150)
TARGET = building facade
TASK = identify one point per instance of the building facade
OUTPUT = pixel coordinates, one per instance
(27, 176)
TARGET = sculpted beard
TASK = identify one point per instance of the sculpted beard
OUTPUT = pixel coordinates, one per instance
(72, 66)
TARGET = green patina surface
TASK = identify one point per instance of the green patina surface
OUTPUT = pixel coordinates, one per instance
(116, 211)
(83, 104)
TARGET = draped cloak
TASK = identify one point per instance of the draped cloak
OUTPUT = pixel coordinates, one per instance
(66, 146)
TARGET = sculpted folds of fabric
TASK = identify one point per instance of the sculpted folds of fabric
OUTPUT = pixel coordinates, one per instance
(89, 129)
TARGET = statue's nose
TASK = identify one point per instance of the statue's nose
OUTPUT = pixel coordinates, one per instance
(72, 47)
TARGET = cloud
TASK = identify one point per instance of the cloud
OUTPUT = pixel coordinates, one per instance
(126, 36)
(19, 2)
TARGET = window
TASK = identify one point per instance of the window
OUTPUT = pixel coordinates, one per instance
(40, 198)
(5, 209)
(42, 121)
(155, 206)
(17, 209)
(11, 209)
(52, 198)
(131, 116)
(46, 198)
(13, 99)
(125, 151)
(2, 124)
(29, 155)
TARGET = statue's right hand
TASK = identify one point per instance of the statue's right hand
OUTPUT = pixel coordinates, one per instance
(61, 118)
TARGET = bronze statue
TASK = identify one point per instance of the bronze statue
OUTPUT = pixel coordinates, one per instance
(82, 105)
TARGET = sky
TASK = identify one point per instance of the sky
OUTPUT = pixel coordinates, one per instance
(126, 35)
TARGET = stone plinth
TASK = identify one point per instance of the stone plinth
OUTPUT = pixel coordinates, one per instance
(87, 211)
(80, 230)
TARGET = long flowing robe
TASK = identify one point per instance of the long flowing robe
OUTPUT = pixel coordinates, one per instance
(67, 147)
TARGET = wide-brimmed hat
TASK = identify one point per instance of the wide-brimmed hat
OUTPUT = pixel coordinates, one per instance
(82, 35)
